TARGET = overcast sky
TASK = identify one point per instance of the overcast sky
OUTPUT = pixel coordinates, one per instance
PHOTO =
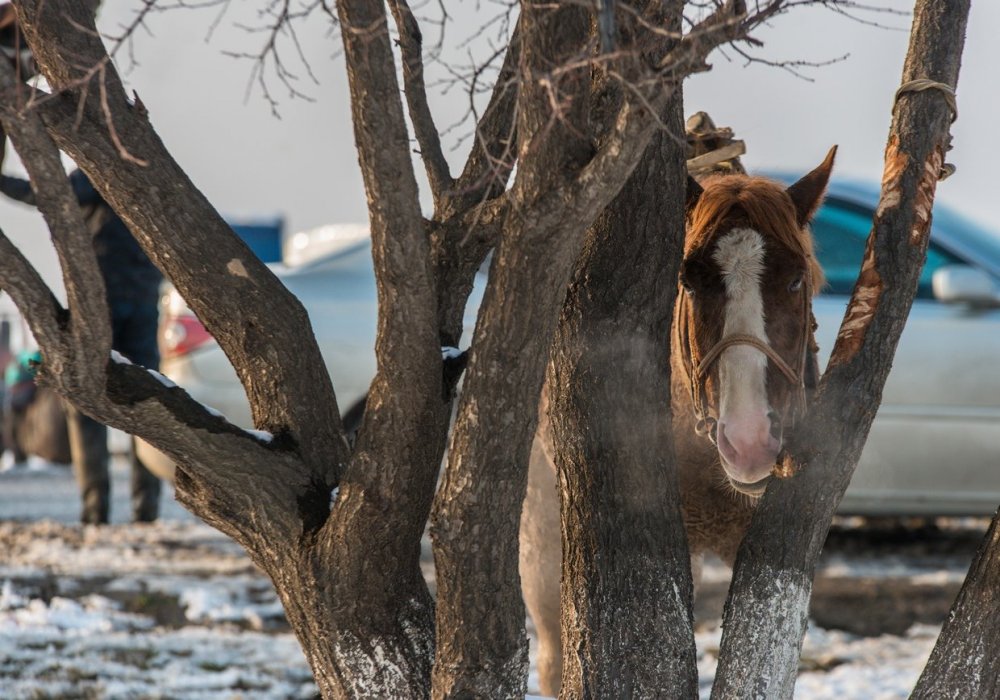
(304, 166)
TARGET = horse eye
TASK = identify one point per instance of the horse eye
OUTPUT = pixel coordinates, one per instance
(688, 289)
(796, 285)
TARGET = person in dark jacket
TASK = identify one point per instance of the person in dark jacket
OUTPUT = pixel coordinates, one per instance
(132, 284)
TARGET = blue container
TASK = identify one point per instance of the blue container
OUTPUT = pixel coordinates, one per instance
(263, 235)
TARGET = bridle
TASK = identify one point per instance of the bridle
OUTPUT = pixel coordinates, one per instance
(802, 378)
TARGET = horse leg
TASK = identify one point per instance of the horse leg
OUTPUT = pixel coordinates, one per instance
(540, 563)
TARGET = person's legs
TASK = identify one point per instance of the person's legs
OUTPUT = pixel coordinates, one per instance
(134, 327)
(88, 444)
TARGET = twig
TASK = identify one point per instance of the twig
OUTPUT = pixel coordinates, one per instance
(112, 132)
(410, 43)
(491, 159)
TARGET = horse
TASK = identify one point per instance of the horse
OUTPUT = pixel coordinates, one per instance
(743, 362)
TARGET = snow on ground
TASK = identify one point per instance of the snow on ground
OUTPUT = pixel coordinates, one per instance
(174, 609)
(840, 666)
(176, 614)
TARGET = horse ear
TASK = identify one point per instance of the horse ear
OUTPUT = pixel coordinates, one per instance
(807, 193)
(693, 193)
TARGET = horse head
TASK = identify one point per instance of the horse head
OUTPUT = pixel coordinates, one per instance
(744, 320)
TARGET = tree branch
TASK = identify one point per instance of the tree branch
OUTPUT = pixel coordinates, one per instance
(620, 149)
(459, 245)
(45, 315)
(89, 328)
(184, 235)
(765, 617)
(964, 662)
(389, 486)
(468, 225)
(484, 484)
(407, 386)
(491, 159)
(410, 44)
(197, 438)
(137, 401)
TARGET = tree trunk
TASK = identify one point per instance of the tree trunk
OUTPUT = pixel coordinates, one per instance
(338, 531)
(563, 182)
(371, 632)
(626, 583)
(965, 662)
(482, 647)
(765, 616)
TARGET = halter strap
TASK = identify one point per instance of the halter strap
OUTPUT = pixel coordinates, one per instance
(712, 355)
(801, 379)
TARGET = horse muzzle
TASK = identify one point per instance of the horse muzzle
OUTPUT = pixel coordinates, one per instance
(748, 453)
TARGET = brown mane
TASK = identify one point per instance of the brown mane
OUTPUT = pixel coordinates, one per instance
(767, 207)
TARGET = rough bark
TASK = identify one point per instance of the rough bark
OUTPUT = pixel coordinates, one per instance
(411, 47)
(765, 616)
(965, 662)
(348, 575)
(377, 608)
(185, 237)
(469, 216)
(482, 647)
(626, 584)
(350, 583)
(123, 395)
(482, 650)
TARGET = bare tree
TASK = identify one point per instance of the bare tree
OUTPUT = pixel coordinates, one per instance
(772, 579)
(348, 575)
(337, 529)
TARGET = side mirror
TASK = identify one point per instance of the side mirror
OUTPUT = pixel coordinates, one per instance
(963, 284)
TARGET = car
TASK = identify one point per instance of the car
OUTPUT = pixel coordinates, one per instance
(934, 447)
(337, 288)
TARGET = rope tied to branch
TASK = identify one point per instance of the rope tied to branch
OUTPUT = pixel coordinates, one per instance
(946, 91)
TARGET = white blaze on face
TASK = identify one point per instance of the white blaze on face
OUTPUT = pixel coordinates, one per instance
(742, 368)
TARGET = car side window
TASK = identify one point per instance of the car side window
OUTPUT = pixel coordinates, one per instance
(840, 230)
(840, 234)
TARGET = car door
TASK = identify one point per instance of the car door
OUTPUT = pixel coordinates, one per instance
(934, 447)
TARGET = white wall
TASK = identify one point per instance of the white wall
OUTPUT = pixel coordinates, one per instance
(304, 164)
